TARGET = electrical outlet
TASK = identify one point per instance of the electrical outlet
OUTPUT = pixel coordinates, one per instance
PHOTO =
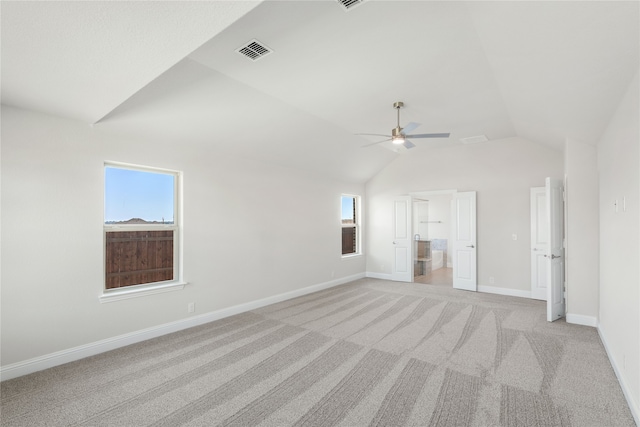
(492, 280)
(191, 307)
(514, 236)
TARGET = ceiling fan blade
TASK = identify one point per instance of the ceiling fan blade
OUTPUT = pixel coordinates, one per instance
(373, 134)
(409, 127)
(408, 144)
(376, 143)
(429, 135)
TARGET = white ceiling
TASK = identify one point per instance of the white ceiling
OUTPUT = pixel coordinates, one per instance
(169, 71)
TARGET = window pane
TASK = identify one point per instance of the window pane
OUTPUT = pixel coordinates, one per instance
(348, 240)
(349, 225)
(144, 254)
(138, 197)
(138, 257)
(348, 210)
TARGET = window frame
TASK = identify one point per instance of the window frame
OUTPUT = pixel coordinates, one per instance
(132, 291)
(356, 225)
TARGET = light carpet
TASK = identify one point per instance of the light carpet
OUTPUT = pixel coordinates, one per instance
(368, 353)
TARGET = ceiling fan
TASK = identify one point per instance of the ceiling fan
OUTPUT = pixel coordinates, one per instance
(399, 135)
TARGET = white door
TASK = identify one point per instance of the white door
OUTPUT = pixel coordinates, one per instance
(539, 243)
(555, 255)
(464, 241)
(402, 261)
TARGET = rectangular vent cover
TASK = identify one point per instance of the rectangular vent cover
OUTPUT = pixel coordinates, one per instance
(474, 139)
(254, 50)
(350, 4)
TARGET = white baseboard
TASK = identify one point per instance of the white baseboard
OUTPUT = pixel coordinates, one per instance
(19, 369)
(487, 289)
(505, 291)
(579, 319)
(633, 406)
(374, 275)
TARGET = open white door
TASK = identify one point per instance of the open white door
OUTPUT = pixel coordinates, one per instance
(464, 241)
(539, 243)
(555, 255)
(402, 261)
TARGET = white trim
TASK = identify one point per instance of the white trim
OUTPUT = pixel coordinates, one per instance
(134, 292)
(504, 291)
(69, 355)
(581, 319)
(383, 276)
(431, 193)
(347, 256)
(633, 406)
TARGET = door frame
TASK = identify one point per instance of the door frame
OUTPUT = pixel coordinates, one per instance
(425, 195)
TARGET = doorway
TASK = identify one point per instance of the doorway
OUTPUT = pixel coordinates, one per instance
(432, 228)
(461, 245)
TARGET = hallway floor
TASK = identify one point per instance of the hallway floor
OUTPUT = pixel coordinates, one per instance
(440, 277)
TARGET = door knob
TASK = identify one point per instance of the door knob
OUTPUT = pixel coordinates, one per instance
(471, 246)
(394, 243)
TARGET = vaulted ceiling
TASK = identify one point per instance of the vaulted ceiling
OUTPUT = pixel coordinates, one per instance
(170, 71)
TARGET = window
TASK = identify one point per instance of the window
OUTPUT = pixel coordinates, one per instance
(140, 226)
(350, 225)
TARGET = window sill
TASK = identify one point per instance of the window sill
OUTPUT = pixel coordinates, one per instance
(124, 293)
(351, 255)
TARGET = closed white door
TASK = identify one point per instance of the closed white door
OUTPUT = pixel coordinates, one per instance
(555, 255)
(402, 259)
(539, 243)
(464, 241)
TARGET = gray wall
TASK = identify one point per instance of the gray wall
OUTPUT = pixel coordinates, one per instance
(501, 172)
(251, 230)
(619, 177)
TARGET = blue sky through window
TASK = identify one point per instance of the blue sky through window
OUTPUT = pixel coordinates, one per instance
(138, 194)
(347, 207)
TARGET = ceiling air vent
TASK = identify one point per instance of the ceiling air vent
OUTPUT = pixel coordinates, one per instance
(474, 139)
(254, 50)
(350, 4)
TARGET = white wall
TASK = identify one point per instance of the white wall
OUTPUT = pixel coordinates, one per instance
(420, 218)
(502, 172)
(251, 230)
(582, 255)
(619, 178)
(440, 210)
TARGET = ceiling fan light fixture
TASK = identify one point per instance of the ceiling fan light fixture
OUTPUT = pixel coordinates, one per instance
(397, 137)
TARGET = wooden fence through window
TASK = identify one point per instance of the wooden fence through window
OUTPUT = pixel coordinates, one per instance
(348, 240)
(138, 257)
